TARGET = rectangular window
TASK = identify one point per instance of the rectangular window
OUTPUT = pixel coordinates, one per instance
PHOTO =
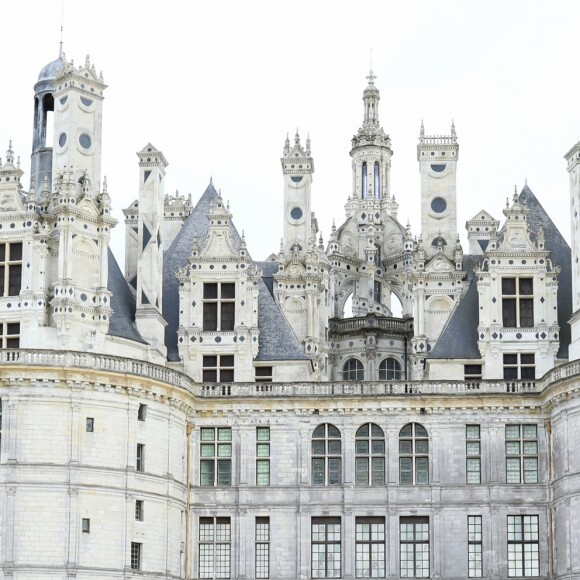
(377, 291)
(370, 547)
(136, 555)
(519, 365)
(219, 303)
(517, 302)
(326, 553)
(214, 547)
(140, 466)
(474, 544)
(86, 526)
(414, 544)
(218, 368)
(10, 269)
(262, 547)
(142, 412)
(216, 456)
(523, 546)
(473, 453)
(472, 372)
(10, 334)
(521, 450)
(263, 374)
(262, 455)
(90, 425)
(139, 513)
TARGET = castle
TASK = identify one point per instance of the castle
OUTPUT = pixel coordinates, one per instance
(390, 405)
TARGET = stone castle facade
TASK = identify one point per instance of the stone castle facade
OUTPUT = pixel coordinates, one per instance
(387, 405)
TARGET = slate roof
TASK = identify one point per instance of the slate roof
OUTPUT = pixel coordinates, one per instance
(122, 321)
(459, 337)
(276, 341)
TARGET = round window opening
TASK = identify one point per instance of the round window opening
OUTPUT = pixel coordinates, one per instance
(296, 213)
(85, 141)
(438, 205)
(62, 140)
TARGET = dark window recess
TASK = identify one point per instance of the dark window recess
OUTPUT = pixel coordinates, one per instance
(472, 371)
(219, 306)
(517, 302)
(218, 368)
(142, 413)
(10, 269)
(263, 374)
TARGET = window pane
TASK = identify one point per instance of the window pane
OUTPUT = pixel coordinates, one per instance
(210, 316)
(508, 286)
(509, 312)
(361, 471)
(526, 313)
(224, 434)
(210, 291)
(526, 286)
(228, 291)
(228, 317)
(512, 432)
(362, 447)
(472, 431)
(530, 431)
(378, 448)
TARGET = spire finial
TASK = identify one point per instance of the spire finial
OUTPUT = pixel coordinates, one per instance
(308, 144)
(297, 138)
(422, 132)
(453, 133)
(60, 53)
(371, 77)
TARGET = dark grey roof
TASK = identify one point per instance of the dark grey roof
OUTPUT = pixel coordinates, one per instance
(122, 321)
(459, 337)
(269, 268)
(560, 255)
(277, 341)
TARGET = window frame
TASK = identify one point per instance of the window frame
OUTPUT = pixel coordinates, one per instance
(10, 268)
(519, 300)
(472, 454)
(262, 547)
(219, 546)
(518, 459)
(374, 547)
(223, 366)
(139, 510)
(521, 365)
(136, 555)
(328, 458)
(9, 334)
(353, 374)
(328, 547)
(474, 546)
(414, 521)
(263, 458)
(526, 525)
(215, 467)
(390, 374)
(86, 525)
(414, 458)
(373, 459)
(222, 305)
(140, 460)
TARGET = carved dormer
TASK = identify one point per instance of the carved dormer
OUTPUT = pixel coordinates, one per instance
(517, 285)
(218, 303)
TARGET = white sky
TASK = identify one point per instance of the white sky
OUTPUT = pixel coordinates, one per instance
(216, 85)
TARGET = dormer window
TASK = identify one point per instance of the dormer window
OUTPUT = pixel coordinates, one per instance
(517, 302)
(219, 305)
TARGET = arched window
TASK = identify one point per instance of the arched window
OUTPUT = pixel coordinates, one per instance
(353, 370)
(326, 455)
(390, 369)
(364, 181)
(377, 180)
(413, 455)
(370, 455)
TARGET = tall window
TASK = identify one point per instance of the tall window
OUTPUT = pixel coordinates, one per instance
(218, 368)
(365, 182)
(325, 547)
(473, 452)
(370, 455)
(353, 370)
(214, 547)
(216, 456)
(10, 268)
(517, 295)
(262, 455)
(519, 365)
(474, 545)
(414, 542)
(10, 337)
(262, 547)
(390, 369)
(139, 510)
(219, 304)
(326, 455)
(523, 546)
(377, 291)
(370, 547)
(413, 455)
(521, 449)
(136, 555)
(140, 464)
(377, 180)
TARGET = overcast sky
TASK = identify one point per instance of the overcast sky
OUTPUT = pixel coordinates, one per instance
(217, 85)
